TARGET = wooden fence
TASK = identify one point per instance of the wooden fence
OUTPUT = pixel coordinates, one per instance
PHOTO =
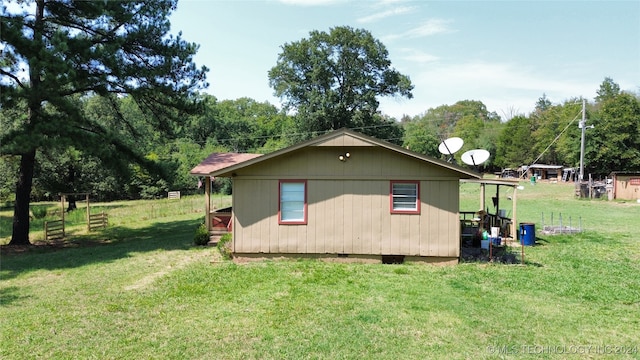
(97, 221)
(54, 230)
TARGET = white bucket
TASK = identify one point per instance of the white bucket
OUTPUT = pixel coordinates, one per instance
(495, 232)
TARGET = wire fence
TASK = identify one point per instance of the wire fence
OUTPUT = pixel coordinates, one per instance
(558, 225)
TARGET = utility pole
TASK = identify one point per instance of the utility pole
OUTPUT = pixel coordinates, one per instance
(583, 127)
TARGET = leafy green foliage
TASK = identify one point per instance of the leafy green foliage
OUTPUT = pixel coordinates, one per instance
(555, 137)
(39, 212)
(420, 137)
(224, 246)
(201, 236)
(608, 90)
(468, 119)
(615, 140)
(512, 150)
(331, 80)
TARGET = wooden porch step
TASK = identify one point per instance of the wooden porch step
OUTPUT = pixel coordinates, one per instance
(215, 235)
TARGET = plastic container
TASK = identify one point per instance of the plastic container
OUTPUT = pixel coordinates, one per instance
(528, 234)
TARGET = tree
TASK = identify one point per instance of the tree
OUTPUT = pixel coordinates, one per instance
(332, 80)
(542, 104)
(608, 90)
(467, 119)
(512, 149)
(616, 137)
(71, 49)
(420, 137)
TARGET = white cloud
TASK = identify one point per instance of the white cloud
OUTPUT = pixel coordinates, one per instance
(385, 14)
(429, 28)
(418, 56)
(503, 87)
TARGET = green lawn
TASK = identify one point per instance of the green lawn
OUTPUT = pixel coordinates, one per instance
(140, 290)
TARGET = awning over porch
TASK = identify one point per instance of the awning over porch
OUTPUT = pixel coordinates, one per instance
(498, 182)
(214, 162)
(217, 161)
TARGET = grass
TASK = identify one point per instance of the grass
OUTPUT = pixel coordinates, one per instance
(144, 291)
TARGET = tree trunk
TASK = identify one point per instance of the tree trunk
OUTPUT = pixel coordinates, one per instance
(71, 180)
(20, 235)
(72, 203)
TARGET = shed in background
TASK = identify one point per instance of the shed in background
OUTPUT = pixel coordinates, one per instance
(626, 185)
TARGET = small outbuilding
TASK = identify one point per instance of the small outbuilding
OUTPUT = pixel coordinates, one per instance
(344, 194)
(626, 185)
(541, 172)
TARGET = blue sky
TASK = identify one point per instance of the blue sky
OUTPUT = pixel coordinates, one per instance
(503, 53)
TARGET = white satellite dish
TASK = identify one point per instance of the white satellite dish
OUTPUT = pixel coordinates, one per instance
(475, 157)
(450, 146)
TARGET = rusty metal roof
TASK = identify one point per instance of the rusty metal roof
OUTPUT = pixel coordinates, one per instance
(217, 161)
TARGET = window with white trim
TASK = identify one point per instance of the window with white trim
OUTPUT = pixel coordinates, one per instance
(293, 202)
(405, 197)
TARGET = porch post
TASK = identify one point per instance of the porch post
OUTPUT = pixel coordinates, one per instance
(514, 218)
(482, 196)
(207, 205)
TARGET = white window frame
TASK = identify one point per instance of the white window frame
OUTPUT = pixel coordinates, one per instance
(290, 201)
(398, 195)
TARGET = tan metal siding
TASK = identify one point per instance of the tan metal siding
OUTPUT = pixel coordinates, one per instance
(348, 205)
(440, 199)
(344, 140)
(350, 217)
(365, 163)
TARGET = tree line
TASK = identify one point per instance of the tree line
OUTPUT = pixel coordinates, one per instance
(549, 135)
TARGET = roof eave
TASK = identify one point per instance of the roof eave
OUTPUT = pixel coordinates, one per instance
(228, 171)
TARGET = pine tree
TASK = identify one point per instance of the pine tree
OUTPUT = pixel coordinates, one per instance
(56, 52)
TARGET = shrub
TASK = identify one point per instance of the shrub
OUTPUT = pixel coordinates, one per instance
(224, 246)
(39, 212)
(202, 235)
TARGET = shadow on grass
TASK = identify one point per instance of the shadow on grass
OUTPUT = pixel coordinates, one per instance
(503, 255)
(10, 294)
(107, 245)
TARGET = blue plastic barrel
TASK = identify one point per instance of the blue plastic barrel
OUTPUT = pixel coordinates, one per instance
(528, 234)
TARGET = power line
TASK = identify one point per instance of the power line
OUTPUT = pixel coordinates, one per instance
(556, 138)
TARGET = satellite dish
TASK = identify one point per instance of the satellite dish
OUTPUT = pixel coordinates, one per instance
(450, 146)
(475, 157)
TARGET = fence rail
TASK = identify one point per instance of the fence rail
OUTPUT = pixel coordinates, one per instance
(54, 230)
(97, 221)
(173, 195)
